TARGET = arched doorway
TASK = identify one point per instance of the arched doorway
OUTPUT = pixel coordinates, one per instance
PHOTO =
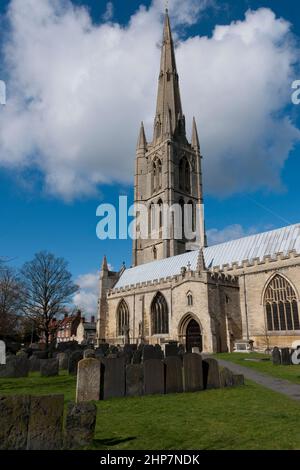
(193, 336)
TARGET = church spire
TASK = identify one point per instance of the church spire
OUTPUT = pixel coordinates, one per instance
(142, 142)
(195, 138)
(168, 96)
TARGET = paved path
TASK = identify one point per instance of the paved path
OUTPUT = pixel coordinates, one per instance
(278, 385)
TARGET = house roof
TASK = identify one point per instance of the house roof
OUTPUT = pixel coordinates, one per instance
(269, 243)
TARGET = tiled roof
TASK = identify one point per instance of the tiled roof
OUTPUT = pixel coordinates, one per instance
(235, 251)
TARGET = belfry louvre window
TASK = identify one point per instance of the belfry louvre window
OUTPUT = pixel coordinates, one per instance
(122, 317)
(159, 315)
(281, 305)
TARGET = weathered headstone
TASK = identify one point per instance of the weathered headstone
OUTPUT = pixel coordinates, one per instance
(211, 373)
(285, 357)
(113, 370)
(226, 378)
(154, 377)
(192, 372)
(87, 353)
(14, 419)
(88, 380)
(196, 350)
(134, 380)
(63, 360)
(173, 373)
(103, 348)
(276, 356)
(15, 367)
(34, 364)
(80, 425)
(49, 367)
(74, 358)
(2, 353)
(45, 422)
(171, 349)
(238, 379)
(137, 356)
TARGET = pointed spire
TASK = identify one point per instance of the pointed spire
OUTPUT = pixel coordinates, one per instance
(142, 142)
(168, 96)
(195, 138)
(104, 266)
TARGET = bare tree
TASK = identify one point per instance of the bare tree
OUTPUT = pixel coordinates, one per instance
(11, 297)
(48, 289)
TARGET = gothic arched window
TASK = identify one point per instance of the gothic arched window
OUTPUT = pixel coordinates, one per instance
(160, 213)
(185, 175)
(122, 317)
(154, 177)
(281, 306)
(159, 315)
(189, 297)
(159, 174)
(181, 204)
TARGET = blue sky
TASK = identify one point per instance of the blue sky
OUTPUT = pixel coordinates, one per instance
(40, 208)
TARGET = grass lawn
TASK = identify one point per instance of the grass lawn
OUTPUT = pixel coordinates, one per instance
(248, 417)
(291, 373)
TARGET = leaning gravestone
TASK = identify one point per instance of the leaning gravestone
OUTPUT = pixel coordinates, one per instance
(49, 367)
(14, 418)
(276, 356)
(113, 379)
(211, 373)
(134, 380)
(226, 378)
(80, 425)
(192, 372)
(171, 349)
(45, 422)
(15, 367)
(154, 380)
(2, 353)
(173, 370)
(285, 357)
(74, 358)
(88, 380)
(238, 379)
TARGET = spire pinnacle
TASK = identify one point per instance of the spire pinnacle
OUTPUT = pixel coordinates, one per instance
(168, 96)
(104, 266)
(142, 142)
(195, 137)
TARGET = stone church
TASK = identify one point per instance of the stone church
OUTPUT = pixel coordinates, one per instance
(201, 296)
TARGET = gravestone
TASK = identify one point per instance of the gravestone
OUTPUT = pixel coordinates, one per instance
(88, 380)
(154, 377)
(173, 374)
(171, 349)
(45, 422)
(15, 367)
(74, 358)
(2, 353)
(238, 379)
(63, 360)
(137, 356)
(134, 380)
(276, 356)
(80, 425)
(285, 357)
(226, 378)
(113, 378)
(14, 419)
(103, 348)
(192, 372)
(87, 353)
(211, 373)
(40, 354)
(152, 352)
(196, 350)
(34, 364)
(49, 367)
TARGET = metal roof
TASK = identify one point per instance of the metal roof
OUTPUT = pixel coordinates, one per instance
(269, 243)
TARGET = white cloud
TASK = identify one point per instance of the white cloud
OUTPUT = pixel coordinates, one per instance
(87, 298)
(109, 12)
(231, 232)
(77, 92)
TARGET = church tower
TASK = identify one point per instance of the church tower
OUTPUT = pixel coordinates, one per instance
(168, 171)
